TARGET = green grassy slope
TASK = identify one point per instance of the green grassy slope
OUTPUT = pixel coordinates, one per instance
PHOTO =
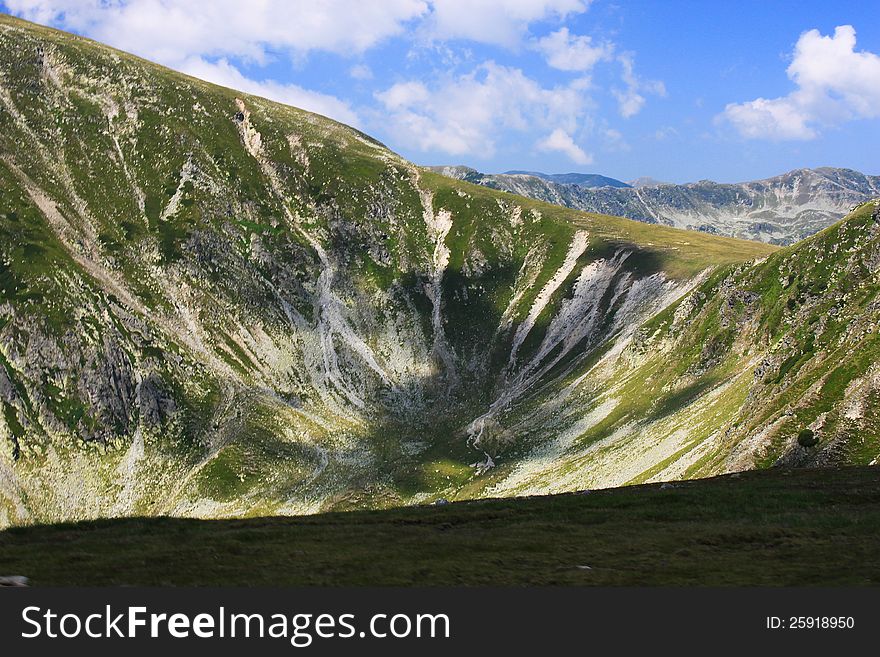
(778, 528)
(683, 253)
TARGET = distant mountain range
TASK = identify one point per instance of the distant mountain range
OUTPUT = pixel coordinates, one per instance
(588, 180)
(583, 179)
(778, 210)
(646, 181)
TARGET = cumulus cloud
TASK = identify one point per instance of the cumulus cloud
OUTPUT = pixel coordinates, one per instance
(176, 29)
(466, 114)
(568, 52)
(778, 119)
(834, 84)
(496, 22)
(159, 29)
(561, 141)
(631, 99)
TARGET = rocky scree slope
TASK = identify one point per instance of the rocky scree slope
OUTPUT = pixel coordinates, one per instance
(779, 210)
(215, 305)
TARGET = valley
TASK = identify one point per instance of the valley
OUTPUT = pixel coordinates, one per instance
(217, 306)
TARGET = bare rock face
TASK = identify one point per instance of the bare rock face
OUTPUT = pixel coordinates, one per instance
(155, 404)
(214, 305)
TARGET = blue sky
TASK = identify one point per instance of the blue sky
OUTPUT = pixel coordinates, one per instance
(675, 90)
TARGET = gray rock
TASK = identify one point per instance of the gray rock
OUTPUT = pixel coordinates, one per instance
(14, 580)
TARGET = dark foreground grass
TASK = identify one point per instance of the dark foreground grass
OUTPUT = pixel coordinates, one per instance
(781, 527)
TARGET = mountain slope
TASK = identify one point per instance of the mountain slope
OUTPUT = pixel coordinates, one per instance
(779, 210)
(729, 377)
(215, 305)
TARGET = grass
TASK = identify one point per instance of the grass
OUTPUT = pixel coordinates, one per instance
(771, 528)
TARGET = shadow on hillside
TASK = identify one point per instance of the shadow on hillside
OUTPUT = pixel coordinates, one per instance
(779, 527)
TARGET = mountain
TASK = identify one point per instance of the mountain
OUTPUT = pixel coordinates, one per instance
(215, 305)
(646, 181)
(585, 180)
(588, 180)
(779, 210)
(459, 172)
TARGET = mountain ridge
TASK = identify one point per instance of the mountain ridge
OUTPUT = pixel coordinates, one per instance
(588, 180)
(779, 210)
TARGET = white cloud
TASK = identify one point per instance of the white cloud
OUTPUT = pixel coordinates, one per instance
(561, 141)
(166, 30)
(631, 99)
(163, 29)
(404, 95)
(225, 74)
(776, 119)
(466, 114)
(568, 52)
(834, 84)
(496, 22)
